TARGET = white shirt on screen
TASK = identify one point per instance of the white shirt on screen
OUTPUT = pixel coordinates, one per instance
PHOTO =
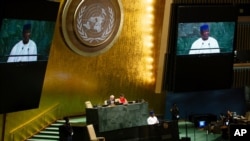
(202, 47)
(21, 49)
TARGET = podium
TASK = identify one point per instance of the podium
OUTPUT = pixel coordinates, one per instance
(118, 117)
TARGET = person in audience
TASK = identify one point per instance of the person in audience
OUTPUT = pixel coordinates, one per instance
(111, 100)
(66, 131)
(122, 99)
(152, 119)
(175, 112)
(222, 116)
(229, 117)
(26, 49)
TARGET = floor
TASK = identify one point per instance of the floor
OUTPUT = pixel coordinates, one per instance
(187, 129)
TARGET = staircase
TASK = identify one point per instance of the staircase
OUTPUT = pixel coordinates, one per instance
(51, 133)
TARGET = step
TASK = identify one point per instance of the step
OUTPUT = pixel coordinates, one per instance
(42, 140)
(56, 124)
(32, 139)
(46, 136)
(51, 128)
(49, 132)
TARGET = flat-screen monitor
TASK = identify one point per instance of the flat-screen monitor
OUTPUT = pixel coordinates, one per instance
(13, 48)
(202, 123)
(23, 62)
(201, 47)
(205, 37)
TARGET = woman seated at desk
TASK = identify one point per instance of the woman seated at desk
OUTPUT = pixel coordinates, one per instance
(122, 99)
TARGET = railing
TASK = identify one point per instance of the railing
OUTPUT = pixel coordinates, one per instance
(34, 125)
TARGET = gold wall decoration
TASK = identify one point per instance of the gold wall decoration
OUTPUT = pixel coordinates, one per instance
(90, 27)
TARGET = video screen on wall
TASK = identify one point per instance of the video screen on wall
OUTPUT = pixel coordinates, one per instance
(205, 38)
(26, 34)
(201, 47)
(24, 40)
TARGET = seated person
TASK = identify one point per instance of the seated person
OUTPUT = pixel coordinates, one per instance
(111, 100)
(228, 118)
(122, 99)
(222, 116)
(152, 119)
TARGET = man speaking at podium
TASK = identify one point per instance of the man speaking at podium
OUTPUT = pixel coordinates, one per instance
(25, 50)
(206, 43)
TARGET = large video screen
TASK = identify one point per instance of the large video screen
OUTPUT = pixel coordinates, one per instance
(26, 34)
(201, 47)
(25, 40)
(205, 38)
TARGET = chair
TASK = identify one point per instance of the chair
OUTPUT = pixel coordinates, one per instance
(92, 134)
(88, 104)
(105, 102)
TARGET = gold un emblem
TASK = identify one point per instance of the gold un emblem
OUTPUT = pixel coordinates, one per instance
(90, 27)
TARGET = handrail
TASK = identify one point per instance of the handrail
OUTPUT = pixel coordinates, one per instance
(42, 120)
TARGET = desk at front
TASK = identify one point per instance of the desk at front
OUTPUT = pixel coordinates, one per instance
(118, 117)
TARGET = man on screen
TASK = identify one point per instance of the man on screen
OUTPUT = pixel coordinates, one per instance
(25, 50)
(205, 44)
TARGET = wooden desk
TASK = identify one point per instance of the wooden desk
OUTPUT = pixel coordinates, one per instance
(118, 117)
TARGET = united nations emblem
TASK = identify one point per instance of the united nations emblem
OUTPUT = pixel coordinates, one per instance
(90, 27)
